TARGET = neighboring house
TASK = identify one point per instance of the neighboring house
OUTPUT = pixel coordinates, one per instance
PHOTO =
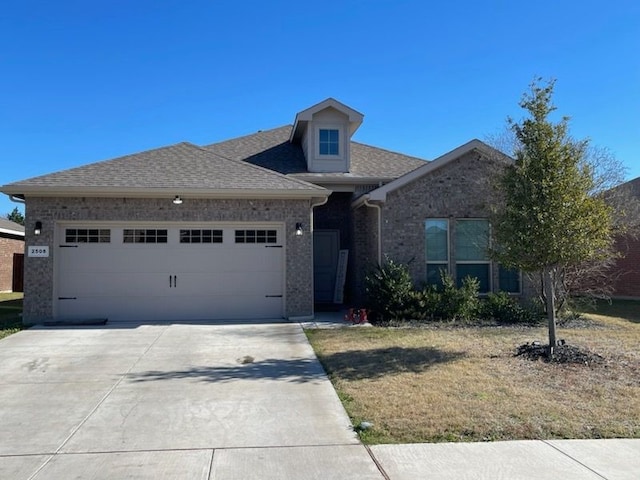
(626, 272)
(11, 253)
(253, 227)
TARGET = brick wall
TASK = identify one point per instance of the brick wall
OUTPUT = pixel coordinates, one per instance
(8, 246)
(626, 272)
(463, 188)
(39, 272)
(365, 246)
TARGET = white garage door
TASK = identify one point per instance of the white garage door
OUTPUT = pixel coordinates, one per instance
(156, 272)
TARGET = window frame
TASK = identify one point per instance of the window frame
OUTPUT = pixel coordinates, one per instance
(86, 235)
(204, 236)
(255, 236)
(444, 263)
(340, 142)
(143, 236)
(486, 262)
(519, 273)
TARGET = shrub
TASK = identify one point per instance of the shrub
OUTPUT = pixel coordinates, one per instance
(457, 303)
(389, 292)
(503, 308)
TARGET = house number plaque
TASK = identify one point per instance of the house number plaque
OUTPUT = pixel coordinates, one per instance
(37, 251)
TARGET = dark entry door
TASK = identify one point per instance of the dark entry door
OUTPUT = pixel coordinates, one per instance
(326, 246)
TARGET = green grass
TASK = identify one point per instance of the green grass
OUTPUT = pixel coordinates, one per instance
(626, 309)
(10, 313)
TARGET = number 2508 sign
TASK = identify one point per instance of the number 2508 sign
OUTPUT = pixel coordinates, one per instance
(38, 251)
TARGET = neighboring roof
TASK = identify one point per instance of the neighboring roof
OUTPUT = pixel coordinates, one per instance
(632, 187)
(11, 228)
(380, 194)
(272, 149)
(183, 168)
(305, 116)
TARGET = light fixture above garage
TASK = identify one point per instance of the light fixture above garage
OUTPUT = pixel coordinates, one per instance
(299, 229)
(38, 228)
(177, 200)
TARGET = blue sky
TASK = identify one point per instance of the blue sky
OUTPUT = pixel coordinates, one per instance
(84, 81)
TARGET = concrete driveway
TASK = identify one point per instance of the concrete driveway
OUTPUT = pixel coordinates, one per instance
(172, 401)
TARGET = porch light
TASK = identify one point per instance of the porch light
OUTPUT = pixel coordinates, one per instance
(299, 229)
(38, 229)
(177, 200)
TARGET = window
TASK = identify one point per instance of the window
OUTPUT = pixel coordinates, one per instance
(509, 279)
(200, 236)
(437, 249)
(471, 252)
(329, 141)
(144, 236)
(87, 235)
(256, 236)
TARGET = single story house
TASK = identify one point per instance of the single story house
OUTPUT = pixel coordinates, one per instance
(11, 254)
(268, 225)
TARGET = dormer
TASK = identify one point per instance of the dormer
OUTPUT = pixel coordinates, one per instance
(324, 131)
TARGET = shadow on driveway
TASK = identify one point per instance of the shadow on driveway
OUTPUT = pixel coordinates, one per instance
(290, 370)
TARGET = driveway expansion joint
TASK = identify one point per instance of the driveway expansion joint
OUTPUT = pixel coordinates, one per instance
(574, 459)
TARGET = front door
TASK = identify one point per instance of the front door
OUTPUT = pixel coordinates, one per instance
(326, 246)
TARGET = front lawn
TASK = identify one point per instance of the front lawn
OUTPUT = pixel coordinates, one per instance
(465, 384)
(10, 310)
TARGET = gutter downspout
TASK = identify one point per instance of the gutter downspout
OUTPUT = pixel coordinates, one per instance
(377, 207)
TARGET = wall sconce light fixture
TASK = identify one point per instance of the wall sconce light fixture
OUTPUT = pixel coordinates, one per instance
(299, 229)
(177, 200)
(38, 228)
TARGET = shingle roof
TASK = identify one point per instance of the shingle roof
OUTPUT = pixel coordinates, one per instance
(181, 167)
(8, 226)
(271, 149)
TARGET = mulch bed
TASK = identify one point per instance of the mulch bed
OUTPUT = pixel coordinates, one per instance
(561, 354)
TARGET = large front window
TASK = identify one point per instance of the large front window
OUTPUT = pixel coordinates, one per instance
(329, 141)
(471, 252)
(437, 249)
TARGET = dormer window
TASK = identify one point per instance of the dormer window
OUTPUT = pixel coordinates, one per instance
(329, 141)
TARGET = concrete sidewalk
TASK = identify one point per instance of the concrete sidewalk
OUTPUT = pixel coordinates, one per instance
(225, 402)
(617, 459)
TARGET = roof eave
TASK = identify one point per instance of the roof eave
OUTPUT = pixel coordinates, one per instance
(8, 231)
(342, 180)
(106, 192)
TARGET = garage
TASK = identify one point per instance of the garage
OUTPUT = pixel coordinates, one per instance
(164, 272)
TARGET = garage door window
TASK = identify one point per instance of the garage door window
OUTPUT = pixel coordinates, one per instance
(86, 235)
(144, 236)
(200, 236)
(256, 236)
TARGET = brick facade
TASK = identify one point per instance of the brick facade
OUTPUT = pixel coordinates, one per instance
(626, 272)
(462, 188)
(39, 272)
(9, 245)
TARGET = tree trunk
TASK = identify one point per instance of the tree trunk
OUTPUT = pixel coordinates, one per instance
(547, 284)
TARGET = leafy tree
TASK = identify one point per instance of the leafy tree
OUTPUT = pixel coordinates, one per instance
(16, 216)
(592, 279)
(549, 219)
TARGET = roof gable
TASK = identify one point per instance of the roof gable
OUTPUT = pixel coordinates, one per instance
(305, 116)
(380, 194)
